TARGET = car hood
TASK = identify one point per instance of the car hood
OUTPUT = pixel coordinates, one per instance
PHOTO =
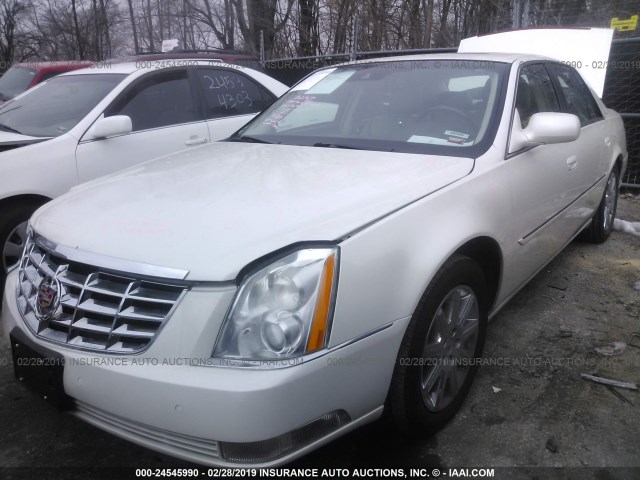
(10, 140)
(214, 209)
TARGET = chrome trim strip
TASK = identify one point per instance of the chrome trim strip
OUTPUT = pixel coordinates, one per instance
(525, 239)
(495, 310)
(366, 418)
(158, 436)
(110, 263)
(91, 140)
(106, 352)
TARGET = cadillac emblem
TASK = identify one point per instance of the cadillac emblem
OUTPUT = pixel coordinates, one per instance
(48, 299)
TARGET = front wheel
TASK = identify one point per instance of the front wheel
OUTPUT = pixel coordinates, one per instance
(438, 355)
(602, 223)
(13, 236)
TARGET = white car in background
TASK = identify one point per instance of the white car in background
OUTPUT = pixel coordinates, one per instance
(90, 122)
(246, 302)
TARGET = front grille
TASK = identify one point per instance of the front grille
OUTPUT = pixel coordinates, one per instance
(91, 309)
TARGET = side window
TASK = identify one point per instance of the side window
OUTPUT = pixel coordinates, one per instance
(229, 93)
(535, 93)
(157, 101)
(576, 96)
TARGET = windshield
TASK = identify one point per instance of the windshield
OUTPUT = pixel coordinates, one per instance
(56, 106)
(415, 106)
(15, 81)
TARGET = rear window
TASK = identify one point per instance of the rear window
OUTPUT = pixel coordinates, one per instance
(15, 81)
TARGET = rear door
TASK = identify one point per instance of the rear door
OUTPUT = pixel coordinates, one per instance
(166, 117)
(231, 99)
(591, 147)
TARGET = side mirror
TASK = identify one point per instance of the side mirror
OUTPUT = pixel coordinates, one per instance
(544, 128)
(111, 126)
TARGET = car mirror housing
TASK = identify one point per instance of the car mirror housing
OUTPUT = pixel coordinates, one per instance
(111, 127)
(544, 128)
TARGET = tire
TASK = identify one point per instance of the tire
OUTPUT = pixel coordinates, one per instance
(410, 402)
(12, 237)
(602, 223)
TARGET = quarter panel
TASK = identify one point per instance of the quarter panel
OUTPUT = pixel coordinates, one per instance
(616, 132)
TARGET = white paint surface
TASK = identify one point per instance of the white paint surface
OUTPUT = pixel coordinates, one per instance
(586, 49)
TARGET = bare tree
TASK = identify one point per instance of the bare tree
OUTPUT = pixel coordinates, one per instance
(97, 24)
(308, 27)
(219, 17)
(104, 21)
(148, 18)
(132, 18)
(95, 29)
(260, 16)
(11, 12)
(76, 26)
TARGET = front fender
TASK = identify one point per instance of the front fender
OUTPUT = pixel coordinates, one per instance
(47, 168)
(385, 268)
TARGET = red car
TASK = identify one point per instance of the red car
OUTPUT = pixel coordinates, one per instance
(23, 76)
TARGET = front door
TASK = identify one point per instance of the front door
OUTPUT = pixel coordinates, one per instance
(165, 117)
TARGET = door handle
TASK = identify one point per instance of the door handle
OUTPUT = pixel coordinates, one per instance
(572, 162)
(195, 140)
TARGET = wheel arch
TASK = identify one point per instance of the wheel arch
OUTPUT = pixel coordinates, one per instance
(619, 164)
(14, 209)
(486, 252)
(30, 198)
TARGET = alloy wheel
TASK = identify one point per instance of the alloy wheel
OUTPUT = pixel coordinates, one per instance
(12, 249)
(610, 198)
(450, 347)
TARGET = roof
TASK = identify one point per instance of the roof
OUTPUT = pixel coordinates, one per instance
(224, 55)
(478, 57)
(127, 68)
(55, 65)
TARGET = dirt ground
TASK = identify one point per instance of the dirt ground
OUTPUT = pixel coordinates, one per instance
(529, 408)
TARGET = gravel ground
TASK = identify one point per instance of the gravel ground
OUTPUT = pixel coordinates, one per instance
(543, 415)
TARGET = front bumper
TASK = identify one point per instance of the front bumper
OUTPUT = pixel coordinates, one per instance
(160, 400)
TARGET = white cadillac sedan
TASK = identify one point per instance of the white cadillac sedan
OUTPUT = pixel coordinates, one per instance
(337, 259)
(95, 121)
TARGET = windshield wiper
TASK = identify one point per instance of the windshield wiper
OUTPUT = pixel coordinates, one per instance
(7, 128)
(335, 145)
(247, 139)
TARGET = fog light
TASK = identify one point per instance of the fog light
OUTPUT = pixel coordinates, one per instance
(265, 450)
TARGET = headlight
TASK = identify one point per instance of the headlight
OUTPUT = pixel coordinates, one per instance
(283, 310)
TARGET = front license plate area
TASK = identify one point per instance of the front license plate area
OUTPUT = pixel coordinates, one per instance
(40, 369)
